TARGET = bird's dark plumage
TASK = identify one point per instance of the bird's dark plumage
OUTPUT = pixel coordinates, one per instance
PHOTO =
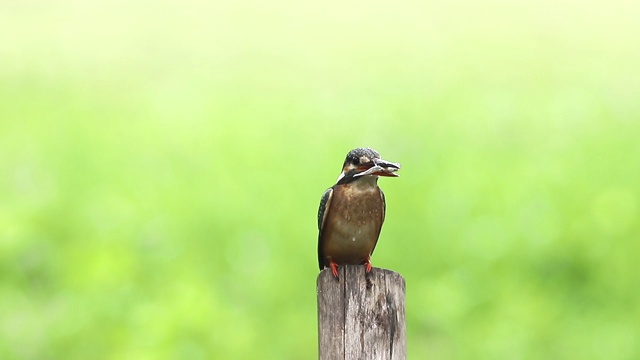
(322, 214)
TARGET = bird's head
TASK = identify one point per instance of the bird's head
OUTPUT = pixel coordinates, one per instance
(365, 163)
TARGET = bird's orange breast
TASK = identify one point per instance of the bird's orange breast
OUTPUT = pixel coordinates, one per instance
(353, 224)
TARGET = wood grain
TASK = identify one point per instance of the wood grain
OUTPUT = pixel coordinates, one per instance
(361, 316)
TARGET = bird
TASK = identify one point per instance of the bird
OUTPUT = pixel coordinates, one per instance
(352, 211)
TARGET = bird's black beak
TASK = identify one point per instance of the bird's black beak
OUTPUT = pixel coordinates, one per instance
(378, 167)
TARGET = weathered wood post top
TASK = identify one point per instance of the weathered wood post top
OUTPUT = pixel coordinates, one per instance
(361, 316)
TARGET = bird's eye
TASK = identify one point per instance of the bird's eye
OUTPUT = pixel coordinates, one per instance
(355, 161)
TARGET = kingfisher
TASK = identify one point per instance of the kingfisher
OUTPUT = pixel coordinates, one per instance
(352, 211)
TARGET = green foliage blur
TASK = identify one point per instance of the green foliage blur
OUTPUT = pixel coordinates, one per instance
(161, 164)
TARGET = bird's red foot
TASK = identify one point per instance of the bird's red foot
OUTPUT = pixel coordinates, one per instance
(367, 265)
(334, 268)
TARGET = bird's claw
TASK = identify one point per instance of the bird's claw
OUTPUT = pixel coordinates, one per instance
(334, 268)
(367, 265)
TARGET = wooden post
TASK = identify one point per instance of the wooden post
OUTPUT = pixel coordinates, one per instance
(361, 316)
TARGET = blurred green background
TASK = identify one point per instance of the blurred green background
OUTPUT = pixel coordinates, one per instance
(162, 163)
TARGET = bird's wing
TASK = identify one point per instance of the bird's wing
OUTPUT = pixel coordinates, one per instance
(384, 210)
(325, 202)
(384, 205)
